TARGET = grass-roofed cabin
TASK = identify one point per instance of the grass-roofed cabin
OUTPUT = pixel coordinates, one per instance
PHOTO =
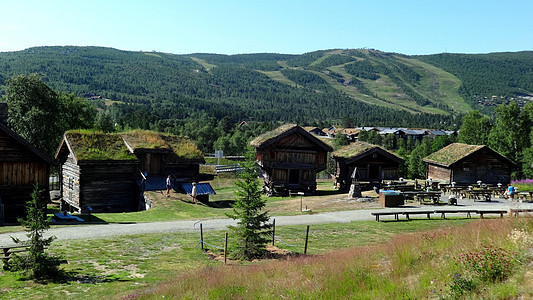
(162, 154)
(290, 158)
(373, 164)
(466, 164)
(97, 170)
(21, 167)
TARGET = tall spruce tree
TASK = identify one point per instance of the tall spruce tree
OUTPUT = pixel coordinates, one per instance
(250, 234)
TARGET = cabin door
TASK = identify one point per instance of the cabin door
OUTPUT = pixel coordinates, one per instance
(294, 176)
(373, 172)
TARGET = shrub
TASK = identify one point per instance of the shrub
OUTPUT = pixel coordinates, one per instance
(490, 264)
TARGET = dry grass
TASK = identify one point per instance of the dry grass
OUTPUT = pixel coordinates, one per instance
(409, 266)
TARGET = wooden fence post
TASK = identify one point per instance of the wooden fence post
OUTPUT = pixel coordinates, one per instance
(202, 236)
(273, 231)
(306, 239)
(226, 248)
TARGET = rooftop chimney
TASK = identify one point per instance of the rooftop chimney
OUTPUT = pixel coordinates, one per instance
(3, 113)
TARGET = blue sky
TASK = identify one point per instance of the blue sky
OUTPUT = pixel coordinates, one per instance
(250, 26)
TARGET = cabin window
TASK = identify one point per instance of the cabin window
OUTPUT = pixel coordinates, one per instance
(466, 169)
(70, 183)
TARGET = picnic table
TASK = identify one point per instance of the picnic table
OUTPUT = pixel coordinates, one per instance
(422, 196)
(524, 194)
(481, 194)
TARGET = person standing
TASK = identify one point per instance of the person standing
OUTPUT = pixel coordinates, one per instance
(168, 186)
(193, 193)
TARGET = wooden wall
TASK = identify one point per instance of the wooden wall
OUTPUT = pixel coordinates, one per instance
(20, 170)
(482, 166)
(104, 186)
(439, 173)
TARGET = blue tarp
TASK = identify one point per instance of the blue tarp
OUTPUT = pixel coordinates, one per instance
(201, 188)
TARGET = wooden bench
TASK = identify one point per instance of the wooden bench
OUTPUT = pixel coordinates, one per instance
(443, 212)
(5, 252)
(484, 212)
(386, 213)
(515, 212)
(421, 212)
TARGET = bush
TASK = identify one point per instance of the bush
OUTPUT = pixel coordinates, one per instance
(490, 264)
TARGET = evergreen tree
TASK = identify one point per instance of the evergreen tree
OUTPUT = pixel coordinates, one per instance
(37, 264)
(252, 228)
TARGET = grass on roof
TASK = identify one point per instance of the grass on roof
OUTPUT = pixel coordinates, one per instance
(183, 147)
(96, 145)
(452, 153)
(145, 139)
(270, 134)
(352, 149)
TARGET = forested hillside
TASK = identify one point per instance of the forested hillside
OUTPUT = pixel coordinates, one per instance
(368, 87)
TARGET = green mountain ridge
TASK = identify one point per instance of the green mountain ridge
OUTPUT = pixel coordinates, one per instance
(370, 86)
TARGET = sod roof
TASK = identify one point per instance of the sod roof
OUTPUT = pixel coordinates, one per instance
(352, 149)
(452, 153)
(95, 145)
(356, 149)
(272, 136)
(259, 140)
(180, 148)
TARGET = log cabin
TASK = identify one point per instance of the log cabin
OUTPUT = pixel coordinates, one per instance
(373, 164)
(290, 157)
(109, 172)
(467, 164)
(97, 170)
(22, 166)
(162, 154)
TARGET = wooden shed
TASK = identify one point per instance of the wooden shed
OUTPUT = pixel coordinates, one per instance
(373, 164)
(97, 170)
(467, 164)
(21, 167)
(162, 154)
(290, 157)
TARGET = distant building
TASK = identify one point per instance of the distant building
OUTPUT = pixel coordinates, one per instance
(467, 164)
(373, 163)
(290, 157)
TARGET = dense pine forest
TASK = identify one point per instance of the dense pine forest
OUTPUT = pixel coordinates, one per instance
(368, 86)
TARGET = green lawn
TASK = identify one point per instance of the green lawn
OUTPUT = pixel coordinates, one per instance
(125, 264)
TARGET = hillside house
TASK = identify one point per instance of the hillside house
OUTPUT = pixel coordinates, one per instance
(467, 164)
(110, 172)
(373, 164)
(97, 170)
(162, 154)
(290, 157)
(21, 167)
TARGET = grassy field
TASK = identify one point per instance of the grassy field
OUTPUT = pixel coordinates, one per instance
(390, 259)
(123, 265)
(365, 260)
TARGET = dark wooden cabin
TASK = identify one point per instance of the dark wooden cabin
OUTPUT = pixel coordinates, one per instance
(373, 164)
(467, 164)
(21, 167)
(97, 170)
(162, 154)
(290, 157)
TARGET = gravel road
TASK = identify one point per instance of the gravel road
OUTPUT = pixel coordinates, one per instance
(93, 231)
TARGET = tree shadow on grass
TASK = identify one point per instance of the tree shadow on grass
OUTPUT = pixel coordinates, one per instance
(221, 204)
